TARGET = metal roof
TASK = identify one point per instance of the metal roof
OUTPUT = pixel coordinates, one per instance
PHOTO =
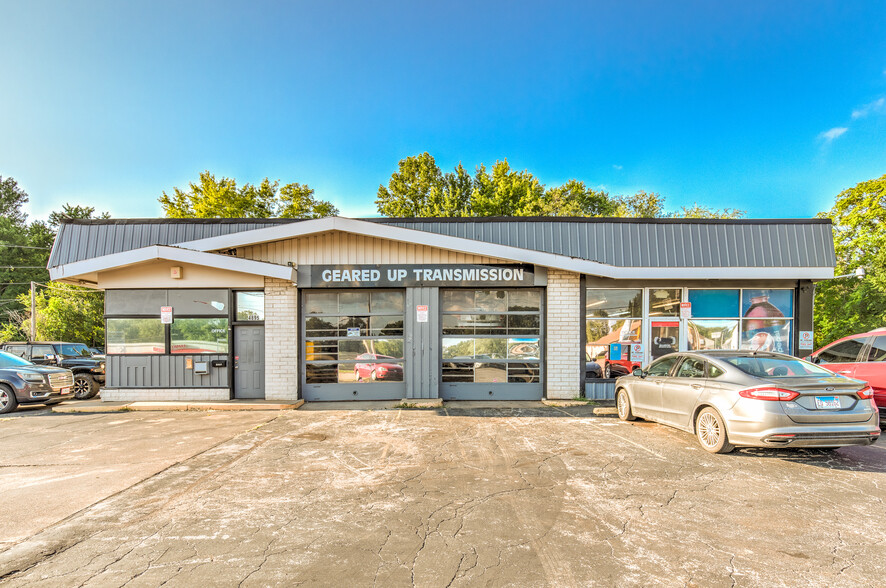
(613, 241)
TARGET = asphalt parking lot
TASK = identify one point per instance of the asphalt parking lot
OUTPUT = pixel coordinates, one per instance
(459, 496)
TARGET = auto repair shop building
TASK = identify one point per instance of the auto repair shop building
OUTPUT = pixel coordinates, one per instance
(462, 308)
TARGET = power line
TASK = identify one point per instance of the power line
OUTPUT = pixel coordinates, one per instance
(23, 246)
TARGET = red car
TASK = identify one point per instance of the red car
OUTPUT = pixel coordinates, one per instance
(862, 357)
(375, 367)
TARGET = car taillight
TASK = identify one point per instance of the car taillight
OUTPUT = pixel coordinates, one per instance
(866, 393)
(768, 393)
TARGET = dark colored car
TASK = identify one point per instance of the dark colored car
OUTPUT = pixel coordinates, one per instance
(861, 356)
(592, 368)
(22, 382)
(89, 372)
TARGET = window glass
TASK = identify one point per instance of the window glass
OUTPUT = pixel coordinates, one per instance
(524, 324)
(324, 350)
(353, 302)
(714, 371)
(845, 352)
(712, 334)
(321, 303)
(662, 366)
(524, 300)
(767, 303)
(317, 326)
(457, 300)
(665, 301)
(601, 332)
(135, 302)
(8, 360)
(385, 325)
(523, 349)
(691, 368)
(766, 335)
(186, 302)
(74, 350)
(250, 306)
(714, 303)
(878, 349)
(491, 300)
(19, 350)
(775, 367)
(41, 351)
(199, 335)
(135, 336)
(605, 302)
(387, 302)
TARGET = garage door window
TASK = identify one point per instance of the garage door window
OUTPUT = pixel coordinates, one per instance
(353, 337)
(491, 336)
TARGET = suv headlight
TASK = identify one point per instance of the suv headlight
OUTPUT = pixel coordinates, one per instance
(101, 366)
(30, 377)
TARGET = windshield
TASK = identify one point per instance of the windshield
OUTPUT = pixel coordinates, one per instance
(75, 350)
(776, 367)
(8, 360)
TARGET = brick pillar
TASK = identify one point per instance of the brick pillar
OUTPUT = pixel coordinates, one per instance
(281, 340)
(563, 336)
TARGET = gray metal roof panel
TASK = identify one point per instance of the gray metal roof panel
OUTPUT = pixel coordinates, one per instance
(616, 242)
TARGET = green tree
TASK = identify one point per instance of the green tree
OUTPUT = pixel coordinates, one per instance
(699, 211)
(12, 198)
(506, 192)
(575, 199)
(415, 189)
(850, 305)
(640, 205)
(222, 198)
(73, 211)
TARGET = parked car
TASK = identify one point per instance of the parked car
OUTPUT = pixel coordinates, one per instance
(592, 367)
(752, 399)
(861, 356)
(22, 382)
(89, 372)
(378, 367)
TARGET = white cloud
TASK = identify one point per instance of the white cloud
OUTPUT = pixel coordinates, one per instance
(618, 167)
(832, 134)
(875, 107)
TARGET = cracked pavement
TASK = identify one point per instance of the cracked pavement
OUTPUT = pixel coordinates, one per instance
(472, 495)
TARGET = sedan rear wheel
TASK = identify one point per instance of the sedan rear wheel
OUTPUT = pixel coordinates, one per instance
(623, 404)
(8, 401)
(711, 432)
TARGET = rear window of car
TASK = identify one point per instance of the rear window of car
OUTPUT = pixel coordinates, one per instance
(8, 360)
(776, 367)
(878, 349)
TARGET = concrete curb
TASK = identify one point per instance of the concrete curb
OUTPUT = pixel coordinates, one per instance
(232, 405)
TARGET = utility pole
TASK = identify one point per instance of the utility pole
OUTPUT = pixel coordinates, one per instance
(33, 333)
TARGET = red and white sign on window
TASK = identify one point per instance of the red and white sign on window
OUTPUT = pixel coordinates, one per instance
(421, 313)
(685, 310)
(166, 315)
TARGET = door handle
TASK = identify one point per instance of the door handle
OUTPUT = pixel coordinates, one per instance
(845, 372)
(697, 386)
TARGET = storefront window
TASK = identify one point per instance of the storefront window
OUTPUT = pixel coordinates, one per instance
(714, 303)
(761, 319)
(614, 320)
(135, 336)
(353, 337)
(199, 335)
(665, 301)
(712, 334)
(491, 336)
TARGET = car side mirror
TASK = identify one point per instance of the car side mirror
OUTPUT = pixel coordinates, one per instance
(815, 359)
(638, 373)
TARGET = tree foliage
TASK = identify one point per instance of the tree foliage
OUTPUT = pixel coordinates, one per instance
(420, 189)
(64, 312)
(849, 305)
(222, 198)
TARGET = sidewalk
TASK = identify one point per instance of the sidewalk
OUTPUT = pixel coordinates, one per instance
(81, 406)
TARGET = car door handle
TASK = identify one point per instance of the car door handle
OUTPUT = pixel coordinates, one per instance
(845, 372)
(697, 386)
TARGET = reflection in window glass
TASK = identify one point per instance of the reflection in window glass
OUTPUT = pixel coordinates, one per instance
(387, 302)
(385, 325)
(665, 301)
(712, 334)
(523, 324)
(767, 303)
(353, 302)
(135, 336)
(714, 303)
(316, 326)
(768, 335)
(523, 349)
(601, 332)
(250, 306)
(491, 300)
(457, 301)
(199, 335)
(524, 300)
(189, 302)
(321, 303)
(845, 352)
(371, 368)
(606, 302)
(878, 349)
(321, 350)
(490, 372)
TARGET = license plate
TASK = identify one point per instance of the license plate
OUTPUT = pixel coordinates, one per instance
(827, 402)
(66, 391)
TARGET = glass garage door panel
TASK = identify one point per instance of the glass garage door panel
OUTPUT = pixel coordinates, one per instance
(353, 345)
(491, 344)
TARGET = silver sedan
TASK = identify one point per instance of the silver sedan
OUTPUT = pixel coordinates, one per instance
(743, 398)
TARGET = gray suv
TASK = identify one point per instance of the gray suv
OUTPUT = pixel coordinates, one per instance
(22, 382)
(89, 371)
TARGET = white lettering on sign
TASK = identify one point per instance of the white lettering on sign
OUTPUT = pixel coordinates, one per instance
(425, 275)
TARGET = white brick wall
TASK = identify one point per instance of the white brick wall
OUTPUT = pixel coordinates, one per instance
(190, 394)
(281, 340)
(563, 336)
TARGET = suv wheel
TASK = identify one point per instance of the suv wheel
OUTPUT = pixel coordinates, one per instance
(84, 386)
(8, 401)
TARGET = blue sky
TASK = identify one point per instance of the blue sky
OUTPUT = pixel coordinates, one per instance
(771, 107)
